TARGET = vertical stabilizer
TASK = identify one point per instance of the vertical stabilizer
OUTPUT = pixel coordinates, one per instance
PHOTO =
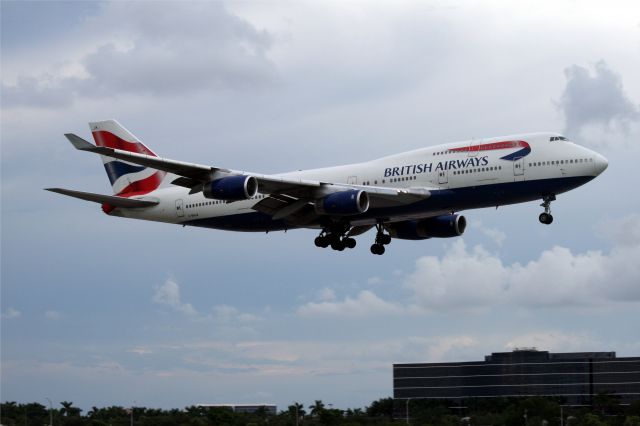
(126, 179)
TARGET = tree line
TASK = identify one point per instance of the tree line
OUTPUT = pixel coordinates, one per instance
(535, 411)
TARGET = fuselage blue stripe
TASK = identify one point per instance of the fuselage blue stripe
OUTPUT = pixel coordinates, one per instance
(518, 154)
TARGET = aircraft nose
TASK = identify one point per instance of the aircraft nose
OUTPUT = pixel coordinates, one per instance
(600, 163)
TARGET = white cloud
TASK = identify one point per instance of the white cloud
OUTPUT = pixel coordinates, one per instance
(622, 232)
(168, 294)
(441, 349)
(459, 279)
(326, 294)
(52, 315)
(207, 49)
(139, 350)
(596, 100)
(375, 280)
(11, 313)
(464, 278)
(366, 303)
(472, 279)
(495, 235)
(555, 341)
(230, 314)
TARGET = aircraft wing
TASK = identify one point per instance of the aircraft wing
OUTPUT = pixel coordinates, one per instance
(109, 199)
(284, 190)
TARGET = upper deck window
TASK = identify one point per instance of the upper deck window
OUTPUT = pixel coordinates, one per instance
(557, 138)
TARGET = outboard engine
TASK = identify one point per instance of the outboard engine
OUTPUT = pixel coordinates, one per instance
(444, 226)
(231, 188)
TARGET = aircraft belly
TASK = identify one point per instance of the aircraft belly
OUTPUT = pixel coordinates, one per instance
(440, 202)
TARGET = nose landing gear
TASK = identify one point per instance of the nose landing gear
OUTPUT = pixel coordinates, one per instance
(546, 217)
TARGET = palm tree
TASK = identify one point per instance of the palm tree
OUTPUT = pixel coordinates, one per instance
(317, 408)
(296, 410)
(68, 410)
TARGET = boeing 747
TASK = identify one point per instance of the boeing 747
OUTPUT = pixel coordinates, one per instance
(413, 195)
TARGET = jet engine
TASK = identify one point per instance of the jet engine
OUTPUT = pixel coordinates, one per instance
(231, 188)
(444, 226)
(344, 203)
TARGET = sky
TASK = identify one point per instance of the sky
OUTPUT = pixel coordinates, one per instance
(108, 311)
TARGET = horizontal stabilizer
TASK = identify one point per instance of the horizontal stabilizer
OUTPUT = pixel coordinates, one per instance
(79, 143)
(109, 199)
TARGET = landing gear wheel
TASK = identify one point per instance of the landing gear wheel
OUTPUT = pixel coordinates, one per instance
(349, 242)
(545, 218)
(322, 242)
(337, 245)
(381, 240)
(377, 249)
(385, 239)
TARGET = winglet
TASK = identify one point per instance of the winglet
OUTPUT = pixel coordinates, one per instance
(79, 143)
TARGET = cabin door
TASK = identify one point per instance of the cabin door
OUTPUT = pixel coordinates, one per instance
(443, 176)
(518, 169)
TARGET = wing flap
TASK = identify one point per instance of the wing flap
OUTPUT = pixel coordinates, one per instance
(109, 199)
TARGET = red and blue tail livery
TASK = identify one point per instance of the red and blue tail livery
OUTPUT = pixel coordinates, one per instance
(413, 195)
(127, 179)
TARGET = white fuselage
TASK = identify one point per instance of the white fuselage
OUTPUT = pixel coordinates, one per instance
(460, 176)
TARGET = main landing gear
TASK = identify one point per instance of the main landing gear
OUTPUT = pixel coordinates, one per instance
(382, 240)
(546, 217)
(335, 236)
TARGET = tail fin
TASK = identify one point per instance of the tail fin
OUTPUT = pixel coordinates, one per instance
(126, 179)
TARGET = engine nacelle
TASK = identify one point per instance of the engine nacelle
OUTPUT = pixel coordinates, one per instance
(444, 226)
(231, 188)
(344, 203)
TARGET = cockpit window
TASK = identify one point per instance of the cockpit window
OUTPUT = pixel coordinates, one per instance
(557, 138)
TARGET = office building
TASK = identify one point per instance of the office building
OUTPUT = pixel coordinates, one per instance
(574, 377)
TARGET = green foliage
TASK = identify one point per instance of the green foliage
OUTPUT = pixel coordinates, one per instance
(634, 409)
(506, 412)
(381, 408)
(592, 420)
(632, 421)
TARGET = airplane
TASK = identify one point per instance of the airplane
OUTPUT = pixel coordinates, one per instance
(413, 195)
